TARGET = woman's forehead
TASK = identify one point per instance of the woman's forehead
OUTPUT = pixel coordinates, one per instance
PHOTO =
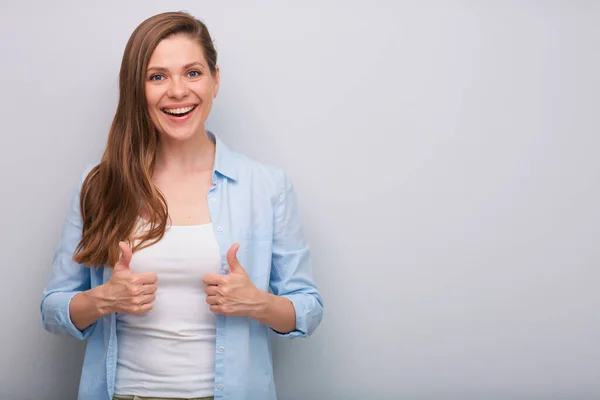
(177, 51)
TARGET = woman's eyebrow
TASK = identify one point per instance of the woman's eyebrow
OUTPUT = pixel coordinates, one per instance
(162, 69)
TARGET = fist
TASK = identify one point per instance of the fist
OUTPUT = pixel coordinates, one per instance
(126, 292)
(233, 294)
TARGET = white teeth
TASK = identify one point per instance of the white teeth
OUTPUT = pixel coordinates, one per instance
(176, 111)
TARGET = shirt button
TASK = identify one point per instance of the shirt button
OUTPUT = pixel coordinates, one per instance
(220, 228)
(225, 268)
(220, 386)
(221, 348)
(211, 199)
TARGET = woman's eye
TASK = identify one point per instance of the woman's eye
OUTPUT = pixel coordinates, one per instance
(156, 77)
(194, 74)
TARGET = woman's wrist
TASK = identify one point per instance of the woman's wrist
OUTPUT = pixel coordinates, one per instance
(99, 299)
(275, 311)
(87, 307)
(263, 304)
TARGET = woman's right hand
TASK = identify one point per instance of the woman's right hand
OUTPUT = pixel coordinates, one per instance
(126, 292)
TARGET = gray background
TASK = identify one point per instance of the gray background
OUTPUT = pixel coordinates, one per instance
(445, 154)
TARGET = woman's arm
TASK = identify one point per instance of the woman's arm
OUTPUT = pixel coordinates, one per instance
(276, 312)
(125, 292)
(291, 270)
(295, 308)
(67, 278)
(85, 308)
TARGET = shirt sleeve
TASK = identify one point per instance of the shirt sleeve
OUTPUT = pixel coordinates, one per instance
(66, 279)
(291, 271)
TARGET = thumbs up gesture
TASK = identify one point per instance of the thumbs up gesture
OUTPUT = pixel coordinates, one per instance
(127, 292)
(233, 294)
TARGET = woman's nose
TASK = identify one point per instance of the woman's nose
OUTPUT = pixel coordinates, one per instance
(178, 88)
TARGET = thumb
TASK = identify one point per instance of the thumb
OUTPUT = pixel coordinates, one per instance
(126, 255)
(232, 260)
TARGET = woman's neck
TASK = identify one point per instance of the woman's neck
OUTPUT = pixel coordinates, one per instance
(188, 156)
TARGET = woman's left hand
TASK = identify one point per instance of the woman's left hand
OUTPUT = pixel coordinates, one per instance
(233, 294)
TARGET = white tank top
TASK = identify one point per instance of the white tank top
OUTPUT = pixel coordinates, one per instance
(170, 351)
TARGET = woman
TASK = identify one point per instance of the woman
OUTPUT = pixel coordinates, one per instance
(173, 241)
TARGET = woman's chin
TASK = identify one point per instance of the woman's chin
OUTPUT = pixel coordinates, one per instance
(182, 134)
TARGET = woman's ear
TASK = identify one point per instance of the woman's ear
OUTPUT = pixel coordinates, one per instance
(217, 79)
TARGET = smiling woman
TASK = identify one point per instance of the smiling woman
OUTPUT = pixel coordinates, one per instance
(159, 265)
(180, 87)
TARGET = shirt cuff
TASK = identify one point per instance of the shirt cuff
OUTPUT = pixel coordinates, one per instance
(59, 317)
(301, 317)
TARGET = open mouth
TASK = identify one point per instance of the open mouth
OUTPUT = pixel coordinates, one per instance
(179, 112)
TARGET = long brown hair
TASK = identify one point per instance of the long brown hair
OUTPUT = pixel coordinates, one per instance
(116, 190)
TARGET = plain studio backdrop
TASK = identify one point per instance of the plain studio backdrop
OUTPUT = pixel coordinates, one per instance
(445, 153)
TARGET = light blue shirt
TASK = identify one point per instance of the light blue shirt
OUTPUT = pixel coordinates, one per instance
(249, 203)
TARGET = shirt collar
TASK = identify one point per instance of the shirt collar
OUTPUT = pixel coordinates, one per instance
(225, 160)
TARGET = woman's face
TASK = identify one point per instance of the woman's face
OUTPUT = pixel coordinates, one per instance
(180, 87)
